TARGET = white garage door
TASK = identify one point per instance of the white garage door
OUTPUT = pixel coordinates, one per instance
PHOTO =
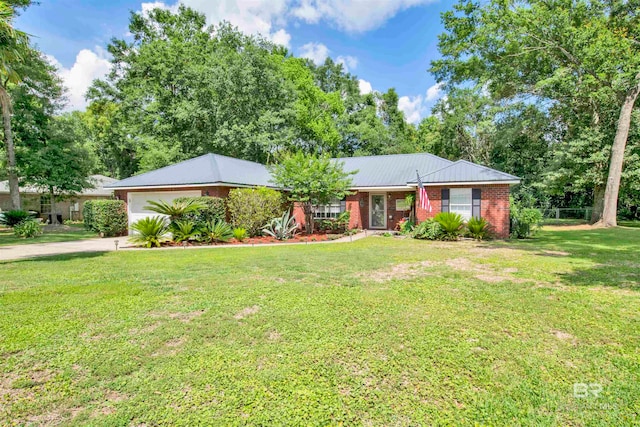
(137, 201)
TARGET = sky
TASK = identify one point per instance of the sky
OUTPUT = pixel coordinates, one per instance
(385, 43)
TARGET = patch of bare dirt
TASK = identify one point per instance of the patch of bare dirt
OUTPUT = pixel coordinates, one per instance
(170, 348)
(485, 273)
(576, 227)
(399, 271)
(274, 336)
(555, 253)
(186, 317)
(561, 335)
(246, 312)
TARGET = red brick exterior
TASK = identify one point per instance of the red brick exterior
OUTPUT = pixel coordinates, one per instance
(212, 191)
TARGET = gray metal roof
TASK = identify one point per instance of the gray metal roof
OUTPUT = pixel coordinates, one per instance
(100, 184)
(464, 171)
(391, 170)
(207, 169)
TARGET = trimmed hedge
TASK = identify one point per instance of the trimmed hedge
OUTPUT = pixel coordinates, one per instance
(253, 208)
(214, 210)
(107, 217)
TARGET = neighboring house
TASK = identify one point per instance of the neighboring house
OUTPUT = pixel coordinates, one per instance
(380, 187)
(33, 199)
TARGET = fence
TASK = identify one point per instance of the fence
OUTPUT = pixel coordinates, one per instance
(562, 215)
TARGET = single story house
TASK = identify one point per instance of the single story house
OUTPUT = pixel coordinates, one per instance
(380, 186)
(33, 199)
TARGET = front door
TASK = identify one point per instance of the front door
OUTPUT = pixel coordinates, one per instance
(378, 211)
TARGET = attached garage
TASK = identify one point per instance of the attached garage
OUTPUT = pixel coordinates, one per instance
(136, 201)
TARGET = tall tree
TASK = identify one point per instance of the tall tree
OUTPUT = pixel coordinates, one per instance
(13, 44)
(561, 51)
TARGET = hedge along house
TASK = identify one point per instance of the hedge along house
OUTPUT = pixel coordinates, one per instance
(380, 187)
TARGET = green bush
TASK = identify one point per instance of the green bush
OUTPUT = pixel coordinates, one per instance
(253, 208)
(428, 230)
(406, 226)
(478, 229)
(14, 217)
(525, 222)
(240, 234)
(150, 231)
(451, 223)
(28, 228)
(210, 209)
(184, 230)
(107, 217)
(336, 225)
(216, 231)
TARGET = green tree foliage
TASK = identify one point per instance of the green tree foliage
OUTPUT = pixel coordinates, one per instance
(561, 53)
(311, 180)
(252, 208)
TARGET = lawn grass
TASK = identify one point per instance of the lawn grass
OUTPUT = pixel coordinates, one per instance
(381, 331)
(61, 234)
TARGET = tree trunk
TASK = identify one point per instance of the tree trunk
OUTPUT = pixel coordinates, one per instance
(308, 217)
(54, 217)
(610, 210)
(598, 204)
(14, 189)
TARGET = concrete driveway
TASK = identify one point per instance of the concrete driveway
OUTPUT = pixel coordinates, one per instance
(8, 253)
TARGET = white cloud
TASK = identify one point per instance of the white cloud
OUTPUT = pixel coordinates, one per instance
(365, 87)
(317, 52)
(354, 16)
(281, 37)
(89, 65)
(349, 63)
(434, 92)
(412, 107)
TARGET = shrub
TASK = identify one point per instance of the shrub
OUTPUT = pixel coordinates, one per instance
(28, 228)
(215, 231)
(478, 229)
(451, 224)
(184, 230)
(340, 224)
(240, 234)
(253, 208)
(428, 230)
(525, 222)
(177, 209)
(282, 228)
(150, 231)
(405, 226)
(14, 217)
(107, 217)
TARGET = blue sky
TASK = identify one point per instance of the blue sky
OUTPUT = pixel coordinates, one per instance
(386, 43)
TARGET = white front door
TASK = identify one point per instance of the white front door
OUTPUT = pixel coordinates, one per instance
(378, 210)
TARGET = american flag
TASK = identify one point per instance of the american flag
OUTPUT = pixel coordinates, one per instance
(424, 199)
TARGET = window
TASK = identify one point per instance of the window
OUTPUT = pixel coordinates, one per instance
(331, 210)
(45, 203)
(460, 202)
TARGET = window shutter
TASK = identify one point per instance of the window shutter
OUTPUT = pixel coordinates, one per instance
(476, 197)
(444, 205)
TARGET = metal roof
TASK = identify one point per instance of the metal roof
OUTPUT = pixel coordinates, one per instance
(391, 170)
(464, 171)
(206, 169)
(100, 183)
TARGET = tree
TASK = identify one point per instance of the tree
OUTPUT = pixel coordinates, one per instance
(560, 52)
(60, 166)
(311, 180)
(13, 44)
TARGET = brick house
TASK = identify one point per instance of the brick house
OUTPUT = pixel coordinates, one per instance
(380, 186)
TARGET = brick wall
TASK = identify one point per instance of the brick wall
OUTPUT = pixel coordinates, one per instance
(494, 206)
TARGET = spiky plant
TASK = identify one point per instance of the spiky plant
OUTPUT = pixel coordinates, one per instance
(216, 231)
(451, 224)
(282, 228)
(478, 228)
(150, 231)
(176, 209)
(184, 230)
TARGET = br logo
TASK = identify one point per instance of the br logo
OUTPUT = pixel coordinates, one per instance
(582, 390)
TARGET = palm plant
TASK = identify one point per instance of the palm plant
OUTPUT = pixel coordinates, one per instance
(215, 231)
(176, 209)
(282, 228)
(478, 228)
(150, 231)
(451, 224)
(13, 45)
(240, 234)
(184, 230)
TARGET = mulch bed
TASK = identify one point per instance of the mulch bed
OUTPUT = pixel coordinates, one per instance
(299, 238)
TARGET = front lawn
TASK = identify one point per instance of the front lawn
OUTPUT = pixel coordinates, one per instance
(62, 233)
(381, 331)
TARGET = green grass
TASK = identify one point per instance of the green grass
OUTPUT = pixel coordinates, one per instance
(381, 331)
(64, 234)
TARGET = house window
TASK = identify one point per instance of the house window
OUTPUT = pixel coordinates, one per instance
(332, 210)
(45, 203)
(460, 202)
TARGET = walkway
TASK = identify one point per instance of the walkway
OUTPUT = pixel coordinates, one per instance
(10, 253)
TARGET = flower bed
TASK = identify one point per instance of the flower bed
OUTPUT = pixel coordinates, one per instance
(298, 238)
